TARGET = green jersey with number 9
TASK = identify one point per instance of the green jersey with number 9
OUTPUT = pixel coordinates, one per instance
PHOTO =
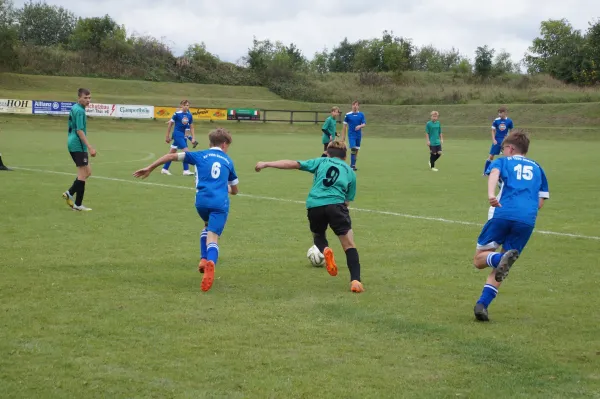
(334, 181)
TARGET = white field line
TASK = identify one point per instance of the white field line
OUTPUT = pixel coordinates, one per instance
(260, 197)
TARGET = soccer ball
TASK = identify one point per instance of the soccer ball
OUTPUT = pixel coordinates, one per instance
(315, 256)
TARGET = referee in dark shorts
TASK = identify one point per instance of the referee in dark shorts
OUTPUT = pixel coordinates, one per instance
(79, 146)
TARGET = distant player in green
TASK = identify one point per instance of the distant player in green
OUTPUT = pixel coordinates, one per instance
(435, 139)
(78, 146)
(328, 129)
(334, 186)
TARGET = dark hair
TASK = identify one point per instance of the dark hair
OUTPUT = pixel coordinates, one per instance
(337, 149)
(502, 109)
(219, 136)
(83, 92)
(355, 102)
(519, 139)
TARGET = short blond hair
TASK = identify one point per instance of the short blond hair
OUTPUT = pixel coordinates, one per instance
(219, 136)
(184, 102)
(337, 149)
(335, 109)
(435, 113)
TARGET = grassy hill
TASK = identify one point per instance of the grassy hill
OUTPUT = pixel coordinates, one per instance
(418, 88)
(564, 117)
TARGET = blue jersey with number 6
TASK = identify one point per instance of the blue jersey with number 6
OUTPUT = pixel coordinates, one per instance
(523, 183)
(214, 172)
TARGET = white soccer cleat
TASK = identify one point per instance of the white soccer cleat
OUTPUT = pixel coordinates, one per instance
(435, 170)
(188, 173)
(81, 208)
(165, 172)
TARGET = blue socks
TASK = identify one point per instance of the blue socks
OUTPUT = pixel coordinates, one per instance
(203, 249)
(487, 165)
(353, 160)
(212, 253)
(487, 295)
(493, 259)
(186, 166)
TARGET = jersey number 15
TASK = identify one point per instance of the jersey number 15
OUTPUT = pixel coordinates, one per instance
(524, 172)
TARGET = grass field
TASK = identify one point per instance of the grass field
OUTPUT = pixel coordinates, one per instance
(107, 303)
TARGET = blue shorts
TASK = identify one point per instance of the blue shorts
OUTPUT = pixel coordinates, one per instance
(508, 233)
(179, 143)
(496, 149)
(354, 141)
(216, 219)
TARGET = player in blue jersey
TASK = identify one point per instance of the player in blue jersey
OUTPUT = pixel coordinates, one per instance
(501, 127)
(512, 215)
(354, 121)
(215, 180)
(183, 122)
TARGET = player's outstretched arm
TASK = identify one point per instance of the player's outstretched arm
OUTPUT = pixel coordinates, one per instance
(145, 172)
(283, 164)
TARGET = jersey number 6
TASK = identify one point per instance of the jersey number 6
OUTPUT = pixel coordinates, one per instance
(215, 171)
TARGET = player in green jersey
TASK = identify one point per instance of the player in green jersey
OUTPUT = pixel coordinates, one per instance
(328, 129)
(78, 146)
(334, 186)
(435, 139)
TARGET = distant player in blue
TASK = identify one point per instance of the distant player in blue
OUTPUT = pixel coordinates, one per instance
(215, 180)
(501, 127)
(354, 121)
(183, 122)
(512, 215)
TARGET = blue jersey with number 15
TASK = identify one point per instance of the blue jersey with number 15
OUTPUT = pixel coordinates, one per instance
(214, 172)
(523, 183)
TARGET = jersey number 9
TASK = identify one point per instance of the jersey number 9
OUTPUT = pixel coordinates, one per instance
(331, 176)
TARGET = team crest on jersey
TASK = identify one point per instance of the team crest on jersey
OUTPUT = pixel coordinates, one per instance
(502, 127)
(185, 120)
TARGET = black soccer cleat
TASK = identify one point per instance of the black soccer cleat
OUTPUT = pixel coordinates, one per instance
(481, 312)
(508, 259)
(2, 167)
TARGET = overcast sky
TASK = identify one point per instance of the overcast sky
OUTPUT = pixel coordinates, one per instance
(228, 27)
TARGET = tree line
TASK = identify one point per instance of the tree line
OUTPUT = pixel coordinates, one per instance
(47, 39)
